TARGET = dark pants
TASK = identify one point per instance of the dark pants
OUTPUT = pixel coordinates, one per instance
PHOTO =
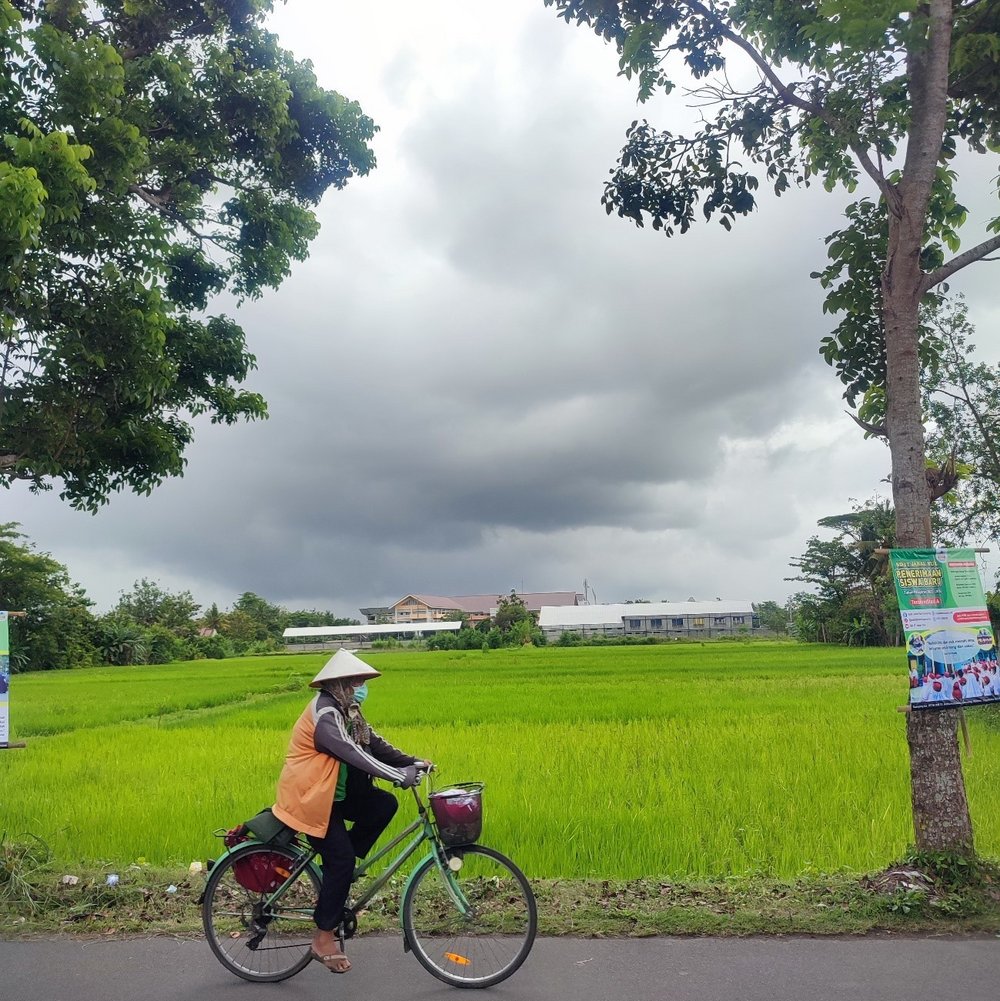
(371, 809)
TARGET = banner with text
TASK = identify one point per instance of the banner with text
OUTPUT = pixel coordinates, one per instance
(950, 646)
(4, 678)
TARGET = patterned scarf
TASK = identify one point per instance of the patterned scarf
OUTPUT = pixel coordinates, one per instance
(361, 732)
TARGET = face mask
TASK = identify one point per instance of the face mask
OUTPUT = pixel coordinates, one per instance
(361, 693)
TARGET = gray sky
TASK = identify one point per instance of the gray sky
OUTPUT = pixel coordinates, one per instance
(480, 381)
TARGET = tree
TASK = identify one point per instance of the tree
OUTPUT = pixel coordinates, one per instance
(57, 630)
(772, 616)
(212, 618)
(855, 601)
(251, 620)
(810, 616)
(311, 617)
(515, 623)
(152, 155)
(242, 629)
(843, 89)
(269, 618)
(149, 604)
(511, 610)
(962, 399)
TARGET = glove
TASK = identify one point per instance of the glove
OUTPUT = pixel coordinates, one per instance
(411, 777)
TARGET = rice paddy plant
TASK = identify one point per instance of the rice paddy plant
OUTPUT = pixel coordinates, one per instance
(69, 700)
(674, 761)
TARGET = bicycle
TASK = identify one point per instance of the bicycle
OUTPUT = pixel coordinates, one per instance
(467, 912)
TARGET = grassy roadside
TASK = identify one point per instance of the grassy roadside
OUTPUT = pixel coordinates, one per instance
(932, 898)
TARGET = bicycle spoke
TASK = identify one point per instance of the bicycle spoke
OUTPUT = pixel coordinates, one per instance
(487, 944)
(251, 939)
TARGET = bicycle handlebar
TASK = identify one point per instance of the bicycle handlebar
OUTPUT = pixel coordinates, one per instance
(422, 773)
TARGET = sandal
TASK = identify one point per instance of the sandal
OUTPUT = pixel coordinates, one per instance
(336, 962)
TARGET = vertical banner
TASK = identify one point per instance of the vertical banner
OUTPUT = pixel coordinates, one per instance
(4, 678)
(950, 646)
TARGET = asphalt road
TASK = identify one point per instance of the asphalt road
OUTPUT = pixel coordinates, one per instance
(656, 969)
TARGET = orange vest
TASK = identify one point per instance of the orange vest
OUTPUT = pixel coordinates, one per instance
(308, 782)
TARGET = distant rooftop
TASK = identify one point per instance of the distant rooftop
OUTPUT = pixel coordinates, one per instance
(613, 614)
(533, 600)
(390, 629)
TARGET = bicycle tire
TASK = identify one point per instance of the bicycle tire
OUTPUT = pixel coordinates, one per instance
(228, 915)
(491, 942)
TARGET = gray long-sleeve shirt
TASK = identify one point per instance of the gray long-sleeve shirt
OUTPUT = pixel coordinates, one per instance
(380, 758)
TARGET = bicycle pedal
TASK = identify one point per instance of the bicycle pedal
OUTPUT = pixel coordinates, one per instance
(348, 925)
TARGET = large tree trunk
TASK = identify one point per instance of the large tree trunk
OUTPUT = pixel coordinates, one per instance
(941, 819)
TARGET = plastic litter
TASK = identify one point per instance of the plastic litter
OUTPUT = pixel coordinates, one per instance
(112, 879)
(171, 888)
(195, 867)
(70, 880)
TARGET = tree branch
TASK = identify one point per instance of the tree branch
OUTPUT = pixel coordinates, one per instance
(158, 202)
(788, 95)
(878, 430)
(957, 263)
(988, 439)
(162, 204)
(951, 396)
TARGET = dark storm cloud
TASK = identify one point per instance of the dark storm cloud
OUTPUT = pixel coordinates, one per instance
(479, 380)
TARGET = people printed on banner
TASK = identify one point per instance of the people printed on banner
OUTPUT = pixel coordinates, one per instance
(973, 680)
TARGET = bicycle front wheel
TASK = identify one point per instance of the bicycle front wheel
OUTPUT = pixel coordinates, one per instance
(250, 939)
(488, 942)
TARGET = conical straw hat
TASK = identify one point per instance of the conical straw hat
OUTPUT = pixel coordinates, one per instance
(343, 664)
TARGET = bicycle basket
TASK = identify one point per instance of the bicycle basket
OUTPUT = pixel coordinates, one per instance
(458, 813)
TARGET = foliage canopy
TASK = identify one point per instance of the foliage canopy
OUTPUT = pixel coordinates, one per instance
(151, 156)
(56, 630)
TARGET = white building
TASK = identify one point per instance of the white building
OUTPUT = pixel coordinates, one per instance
(666, 619)
(310, 639)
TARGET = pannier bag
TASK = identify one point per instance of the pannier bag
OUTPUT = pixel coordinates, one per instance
(458, 812)
(263, 872)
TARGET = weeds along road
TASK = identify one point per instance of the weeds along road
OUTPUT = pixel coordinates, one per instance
(652, 969)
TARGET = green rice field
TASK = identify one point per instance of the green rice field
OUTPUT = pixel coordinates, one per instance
(682, 760)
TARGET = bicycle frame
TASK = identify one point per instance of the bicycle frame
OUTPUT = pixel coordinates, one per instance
(419, 831)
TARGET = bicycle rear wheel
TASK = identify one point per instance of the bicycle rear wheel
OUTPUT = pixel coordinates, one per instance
(485, 945)
(249, 939)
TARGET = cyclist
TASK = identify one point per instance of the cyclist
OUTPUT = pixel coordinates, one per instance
(332, 758)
